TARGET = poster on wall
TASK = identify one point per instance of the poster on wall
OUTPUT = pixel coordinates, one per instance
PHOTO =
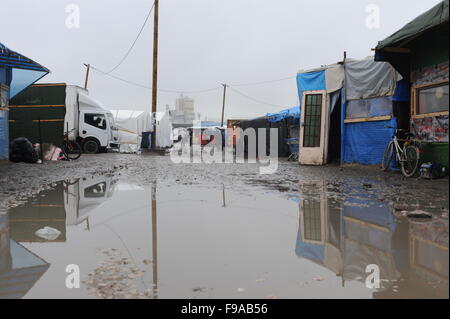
(431, 128)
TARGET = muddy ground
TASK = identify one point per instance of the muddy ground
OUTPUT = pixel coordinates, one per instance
(19, 181)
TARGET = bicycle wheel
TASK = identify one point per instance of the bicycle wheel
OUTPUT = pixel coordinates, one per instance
(72, 150)
(387, 156)
(410, 163)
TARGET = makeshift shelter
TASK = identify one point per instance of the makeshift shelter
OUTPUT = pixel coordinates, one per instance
(420, 52)
(131, 125)
(264, 123)
(135, 129)
(164, 130)
(345, 110)
(17, 72)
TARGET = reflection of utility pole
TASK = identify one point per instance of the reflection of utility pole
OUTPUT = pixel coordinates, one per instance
(154, 242)
(155, 71)
(223, 104)
(223, 196)
(88, 67)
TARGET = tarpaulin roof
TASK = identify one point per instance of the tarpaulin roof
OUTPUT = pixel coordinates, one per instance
(24, 71)
(427, 20)
(12, 59)
(293, 112)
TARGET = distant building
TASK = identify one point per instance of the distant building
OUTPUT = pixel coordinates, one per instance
(184, 110)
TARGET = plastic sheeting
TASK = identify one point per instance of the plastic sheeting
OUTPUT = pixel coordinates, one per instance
(293, 112)
(310, 81)
(131, 125)
(164, 129)
(367, 78)
(4, 135)
(24, 71)
(365, 142)
(378, 106)
(427, 20)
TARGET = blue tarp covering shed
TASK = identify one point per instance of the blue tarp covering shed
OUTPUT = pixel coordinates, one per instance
(309, 82)
(364, 142)
(293, 112)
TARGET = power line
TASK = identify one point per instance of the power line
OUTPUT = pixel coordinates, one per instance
(149, 87)
(253, 99)
(264, 82)
(134, 42)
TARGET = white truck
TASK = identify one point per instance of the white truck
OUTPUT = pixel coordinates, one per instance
(60, 108)
(88, 122)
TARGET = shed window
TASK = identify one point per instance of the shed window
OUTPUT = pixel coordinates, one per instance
(432, 99)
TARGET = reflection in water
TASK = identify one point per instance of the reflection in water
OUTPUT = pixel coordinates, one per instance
(20, 269)
(67, 203)
(346, 237)
(197, 233)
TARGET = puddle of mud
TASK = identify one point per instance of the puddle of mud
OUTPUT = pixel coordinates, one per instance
(187, 241)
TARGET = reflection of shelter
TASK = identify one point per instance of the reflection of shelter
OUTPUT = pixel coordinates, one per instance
(345, 238)
(429, 252)
(20, 269)
(46, 209)
(352, 235)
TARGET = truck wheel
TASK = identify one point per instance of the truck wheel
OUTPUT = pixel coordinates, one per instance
(91, 147)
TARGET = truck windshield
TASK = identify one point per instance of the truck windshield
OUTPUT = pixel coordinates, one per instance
(111, 121)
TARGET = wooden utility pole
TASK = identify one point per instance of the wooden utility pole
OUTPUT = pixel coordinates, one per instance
(88, 67)
(223, 104)
(155, 72)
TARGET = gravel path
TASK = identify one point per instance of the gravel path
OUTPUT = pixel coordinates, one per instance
(19, 181)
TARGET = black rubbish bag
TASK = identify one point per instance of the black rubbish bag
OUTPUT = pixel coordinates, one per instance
(21, 150)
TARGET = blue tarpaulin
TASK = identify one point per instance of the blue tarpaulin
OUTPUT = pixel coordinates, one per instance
(309, 82)
(21, 71)
(365, 142)
(293, 112)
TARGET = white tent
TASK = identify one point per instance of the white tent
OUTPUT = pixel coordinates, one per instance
(164, 130)
(132, 123)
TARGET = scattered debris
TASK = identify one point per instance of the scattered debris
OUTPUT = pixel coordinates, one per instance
(419, 214)
(48, 233)
(318, 278)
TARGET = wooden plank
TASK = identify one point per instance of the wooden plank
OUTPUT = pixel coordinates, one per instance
(360, 222)
(54, 120)
(419, 116)
(369, 119)
(27, 106)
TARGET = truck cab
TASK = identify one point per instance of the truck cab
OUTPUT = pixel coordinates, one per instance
(97, 131)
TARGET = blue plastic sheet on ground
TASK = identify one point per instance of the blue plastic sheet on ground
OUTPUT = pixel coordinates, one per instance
(365, 142)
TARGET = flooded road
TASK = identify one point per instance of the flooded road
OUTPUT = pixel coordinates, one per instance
(160, 240)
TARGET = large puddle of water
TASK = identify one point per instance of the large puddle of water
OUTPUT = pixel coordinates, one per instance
(215, 241)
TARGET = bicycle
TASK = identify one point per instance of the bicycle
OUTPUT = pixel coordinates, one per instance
(408, 156)
(71, 149)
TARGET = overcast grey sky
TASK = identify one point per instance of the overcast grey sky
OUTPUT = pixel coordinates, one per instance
(202, 43)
